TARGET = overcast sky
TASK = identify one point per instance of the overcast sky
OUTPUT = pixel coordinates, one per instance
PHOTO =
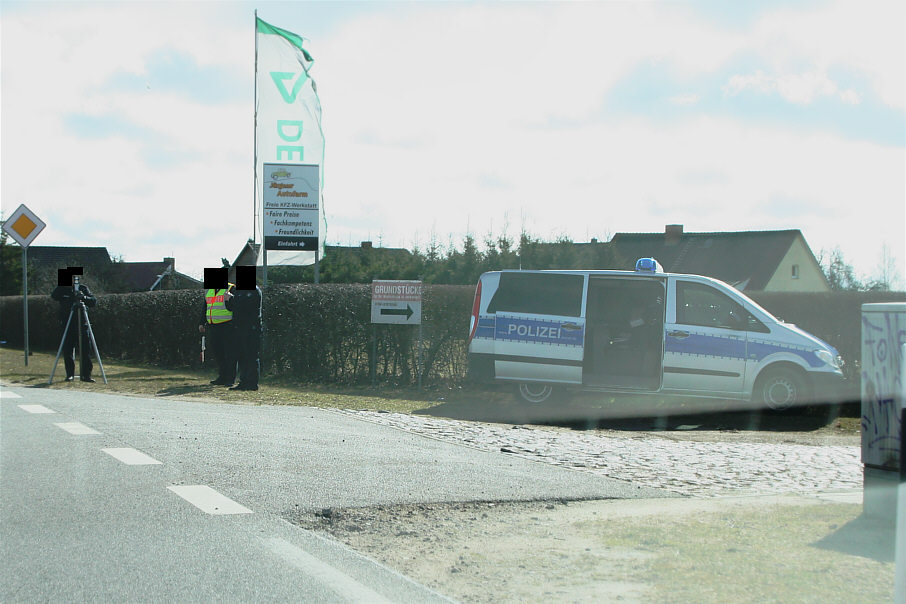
(130, 125)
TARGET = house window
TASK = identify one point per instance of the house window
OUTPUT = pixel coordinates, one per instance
(795, 271)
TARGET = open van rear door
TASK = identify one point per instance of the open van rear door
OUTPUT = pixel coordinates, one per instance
(624, 341)
(539, 331)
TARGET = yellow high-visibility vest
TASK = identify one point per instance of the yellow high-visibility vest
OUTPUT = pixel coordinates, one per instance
(216, 311)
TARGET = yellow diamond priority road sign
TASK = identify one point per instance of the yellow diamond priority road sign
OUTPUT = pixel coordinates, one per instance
(23, 226)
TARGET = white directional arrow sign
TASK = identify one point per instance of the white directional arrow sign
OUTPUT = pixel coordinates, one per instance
(398, 302)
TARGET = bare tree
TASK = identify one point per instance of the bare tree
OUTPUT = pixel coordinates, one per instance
(887, 275)
(840, 274)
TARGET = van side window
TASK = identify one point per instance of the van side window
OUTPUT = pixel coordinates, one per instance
(753, 324)
(539, 293)
(699, 304)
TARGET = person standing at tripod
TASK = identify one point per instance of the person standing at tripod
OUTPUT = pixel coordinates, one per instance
(71, 294)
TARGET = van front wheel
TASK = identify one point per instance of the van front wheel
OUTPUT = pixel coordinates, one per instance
(780, 390)
(535, 393)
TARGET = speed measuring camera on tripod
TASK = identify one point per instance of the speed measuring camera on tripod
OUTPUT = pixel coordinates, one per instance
(82, 324)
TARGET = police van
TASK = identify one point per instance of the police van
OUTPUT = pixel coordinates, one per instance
(643, 331)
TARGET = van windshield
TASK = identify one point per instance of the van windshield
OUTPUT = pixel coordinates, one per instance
(539, 293)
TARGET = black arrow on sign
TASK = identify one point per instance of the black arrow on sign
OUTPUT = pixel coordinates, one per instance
(398, 311)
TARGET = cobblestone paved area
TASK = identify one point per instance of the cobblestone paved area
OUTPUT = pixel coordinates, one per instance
(701, 469)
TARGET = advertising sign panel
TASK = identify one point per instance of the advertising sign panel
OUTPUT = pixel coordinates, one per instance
(290, 206)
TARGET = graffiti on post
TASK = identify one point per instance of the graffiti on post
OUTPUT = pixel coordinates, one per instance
(883, 336)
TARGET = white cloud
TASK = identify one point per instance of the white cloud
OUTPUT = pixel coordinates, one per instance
(850, 97)
(632, 176)
(453, 117)
(798, 88)
(685, 100)
(171, 180)
(862, 38)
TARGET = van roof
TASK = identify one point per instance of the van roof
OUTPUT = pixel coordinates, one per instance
(594, 272)
(616, 273)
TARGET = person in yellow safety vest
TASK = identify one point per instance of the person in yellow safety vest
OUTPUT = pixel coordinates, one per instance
(217, 324)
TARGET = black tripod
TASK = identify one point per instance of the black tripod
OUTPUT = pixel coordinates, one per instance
(83, 314)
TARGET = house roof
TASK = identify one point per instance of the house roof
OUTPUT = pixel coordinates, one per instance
(248, 255)
(140, 276)
(136, 276)
(67, 255)
(747, 259)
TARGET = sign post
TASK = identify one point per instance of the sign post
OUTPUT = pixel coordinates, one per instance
(25, 301)
(23, 226)
(399, 303)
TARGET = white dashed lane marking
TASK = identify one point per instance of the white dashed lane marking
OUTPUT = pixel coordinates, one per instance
(208, 500)
(131, 457)
(36, 409)
(76, 428)
(9, 394)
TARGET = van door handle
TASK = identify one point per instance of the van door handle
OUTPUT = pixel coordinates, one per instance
(571, 326)
(678, 334)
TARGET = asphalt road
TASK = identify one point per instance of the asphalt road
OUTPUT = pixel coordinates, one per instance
(106, 497)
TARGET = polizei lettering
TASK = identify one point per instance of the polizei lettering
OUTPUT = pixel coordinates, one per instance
(534, 331)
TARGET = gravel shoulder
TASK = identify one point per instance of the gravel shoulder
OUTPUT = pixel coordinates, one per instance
(776, 548)
(796, 535)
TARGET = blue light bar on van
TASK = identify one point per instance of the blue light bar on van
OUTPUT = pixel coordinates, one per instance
(648, 265)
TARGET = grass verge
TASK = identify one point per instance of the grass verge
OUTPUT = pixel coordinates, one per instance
(143, 380)
(475, 404)
(770, 554)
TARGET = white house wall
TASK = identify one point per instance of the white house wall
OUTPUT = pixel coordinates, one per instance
(810, 279)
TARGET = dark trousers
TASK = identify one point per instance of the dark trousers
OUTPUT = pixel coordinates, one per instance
(69, 348)
(248, 343)
(222, 336)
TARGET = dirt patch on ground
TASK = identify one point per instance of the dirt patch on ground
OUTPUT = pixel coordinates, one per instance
(667, 550)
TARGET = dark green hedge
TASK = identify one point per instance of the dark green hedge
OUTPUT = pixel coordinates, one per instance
(160, 328)
(322, 333)
(313, 333)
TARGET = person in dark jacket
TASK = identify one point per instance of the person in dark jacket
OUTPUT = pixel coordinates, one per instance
(245, 303)
(69, 296)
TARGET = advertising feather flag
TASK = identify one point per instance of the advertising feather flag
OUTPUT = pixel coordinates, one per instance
(288, 136)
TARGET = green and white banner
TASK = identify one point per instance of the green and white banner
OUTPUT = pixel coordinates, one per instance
(287, 126)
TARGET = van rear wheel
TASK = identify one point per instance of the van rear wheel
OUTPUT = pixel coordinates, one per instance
(537, 393)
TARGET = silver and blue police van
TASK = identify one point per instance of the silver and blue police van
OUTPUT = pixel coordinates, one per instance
(643, 331)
